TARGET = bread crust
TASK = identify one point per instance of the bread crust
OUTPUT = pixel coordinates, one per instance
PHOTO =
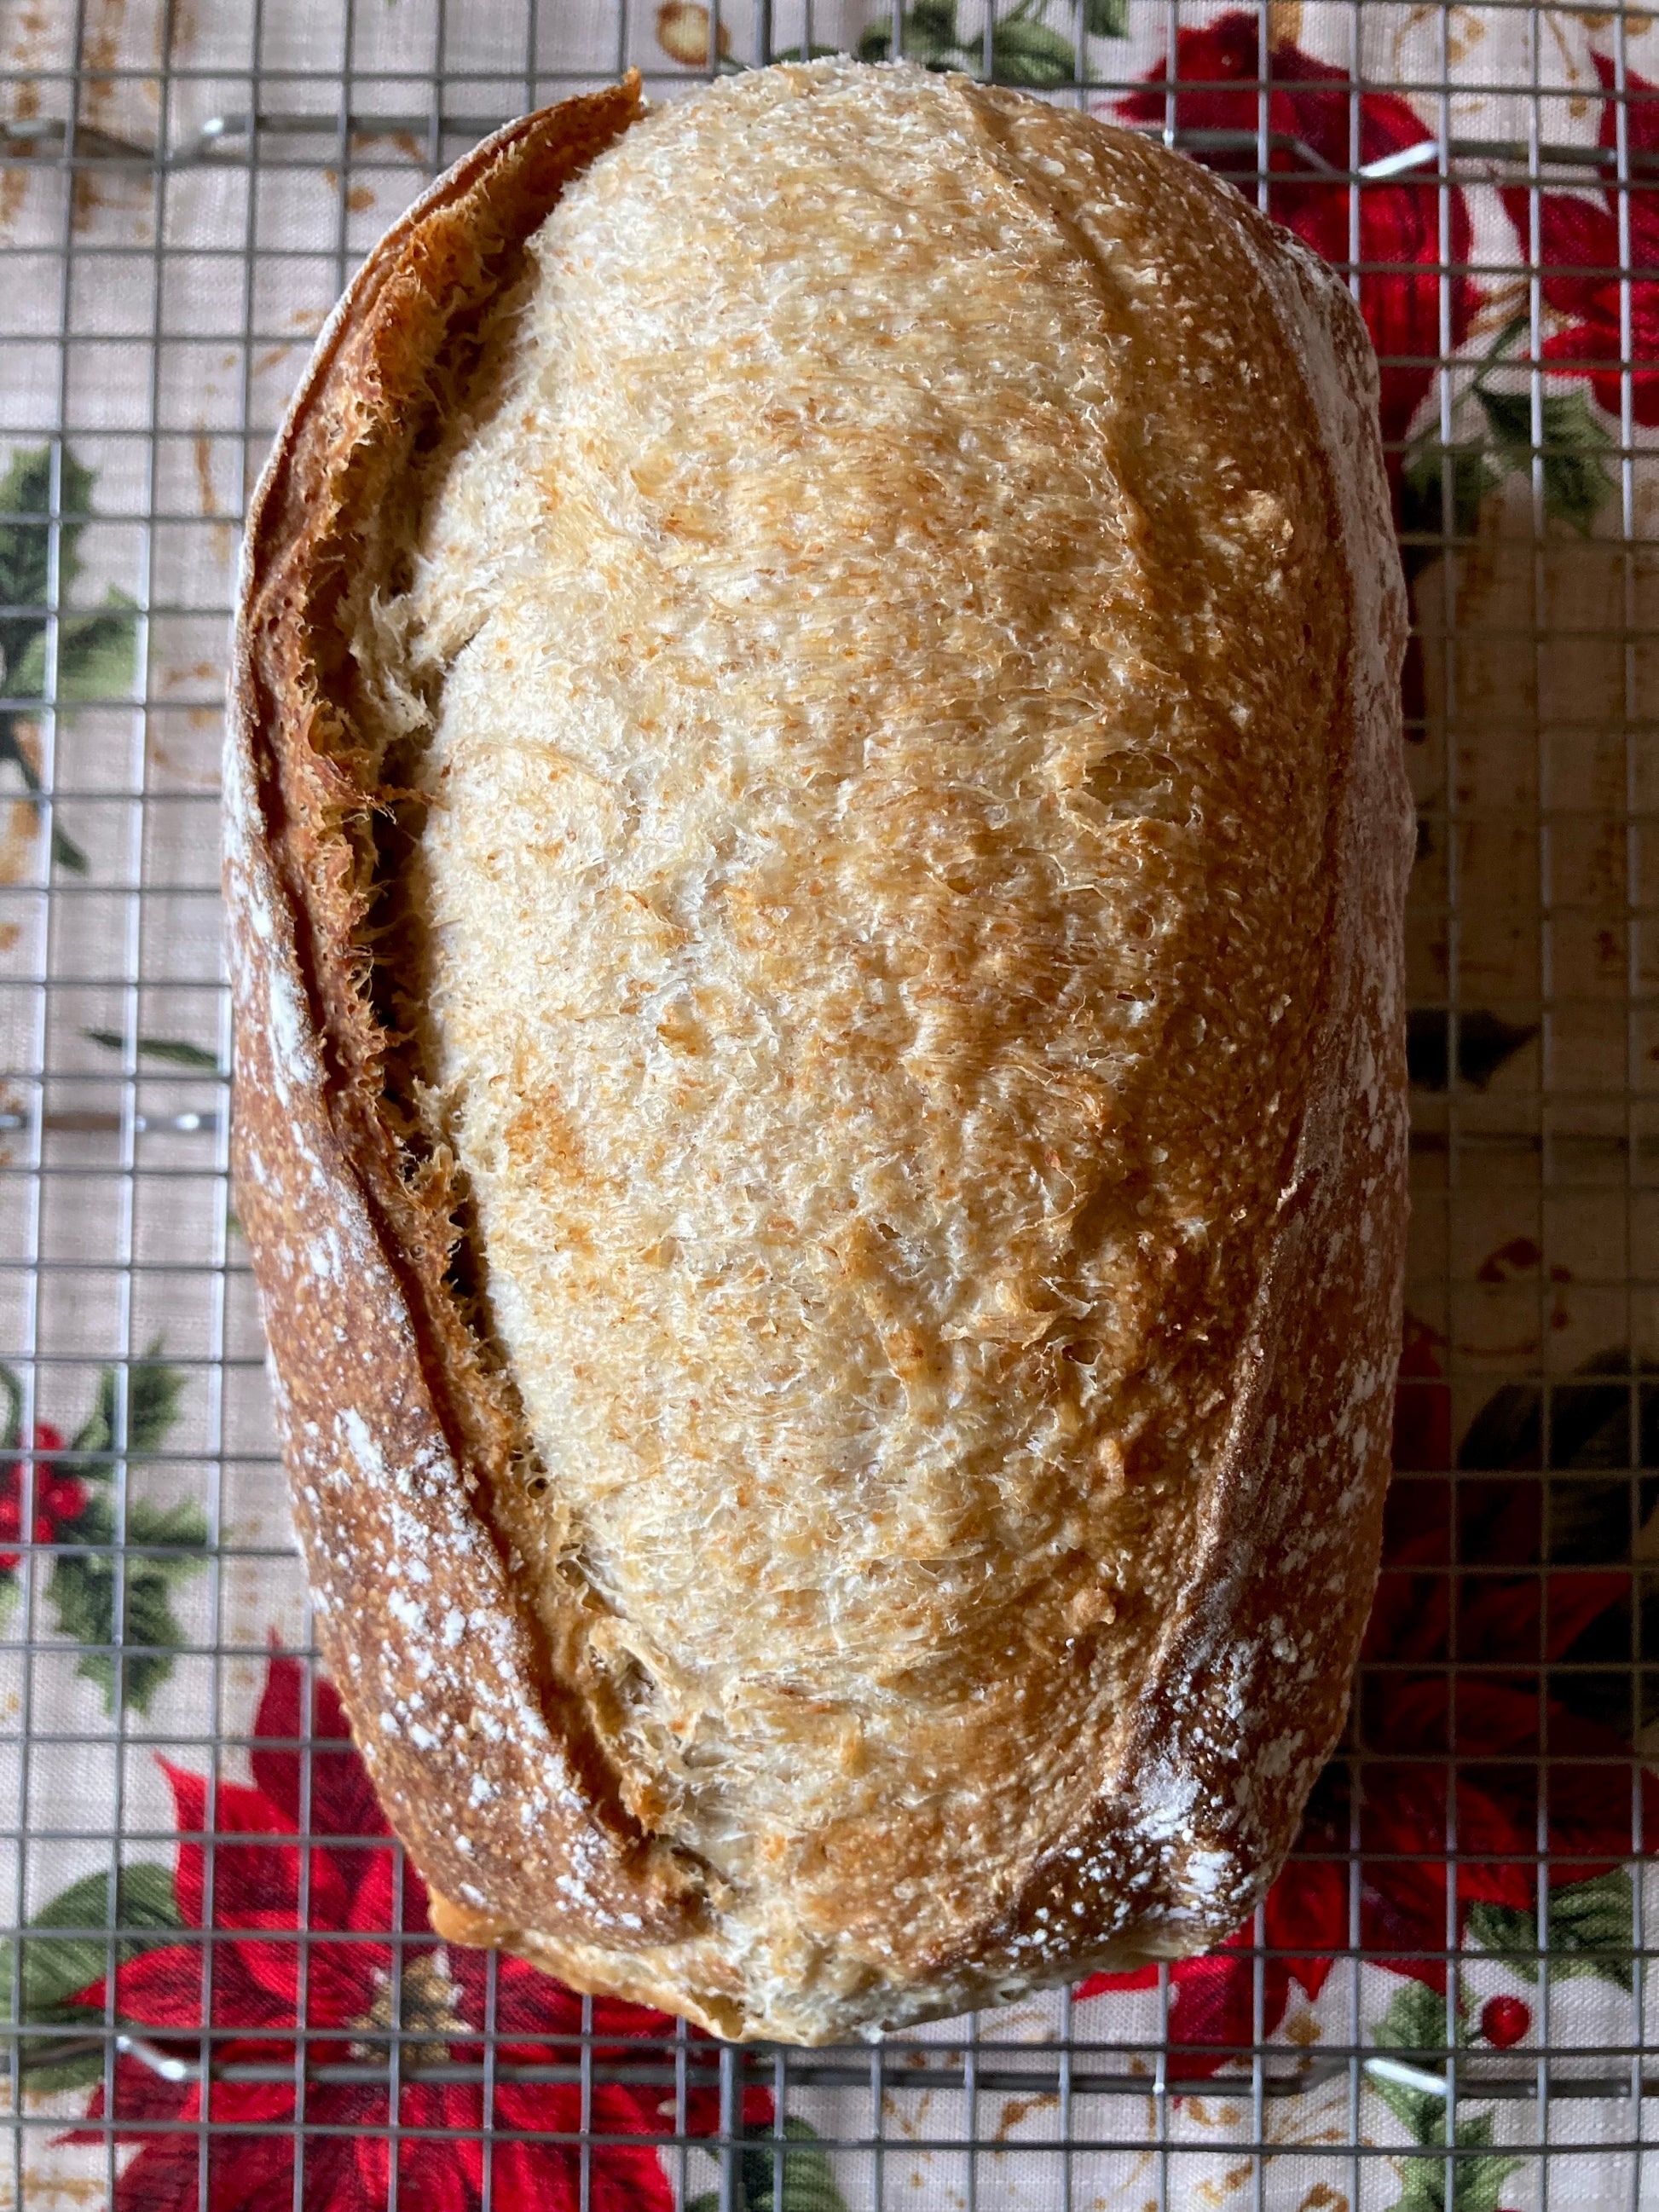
(399, 1426)
(440, 1672)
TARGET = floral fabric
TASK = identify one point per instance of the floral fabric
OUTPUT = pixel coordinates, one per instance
(190, 1853)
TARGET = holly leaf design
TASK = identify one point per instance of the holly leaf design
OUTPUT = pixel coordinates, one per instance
(94, 656)
(1423, 2185)
(26, 540)
(772, 2178)
(1024, 49)
(927, 35)
(1477, 2182)
(81, 1593)
(1414, 2029)
(1442, 489)
(48, 1970)
(1106, 19)
(154, 1390)
(82, 1588)
(178, 1050)
(1590, 1931)
(11, 1388)
(808, 2180)
(1573, 445)
(94, 651)
(1026, 52)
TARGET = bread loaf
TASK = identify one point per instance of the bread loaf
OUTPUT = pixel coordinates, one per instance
(816, 842)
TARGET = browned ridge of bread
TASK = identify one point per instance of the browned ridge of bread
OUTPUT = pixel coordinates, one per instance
(816, 859)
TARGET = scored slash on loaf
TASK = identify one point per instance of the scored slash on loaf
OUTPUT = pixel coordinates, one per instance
(817, 844)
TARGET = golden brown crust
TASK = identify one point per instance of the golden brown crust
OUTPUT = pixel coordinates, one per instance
(398, 1424)
(385, 1437)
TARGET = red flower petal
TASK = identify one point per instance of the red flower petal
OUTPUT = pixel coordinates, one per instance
(252, 2103)
(256, 1883)
(527, 2003)
(531, 2178)
(252, 2173)
(255, 1902)
(140, 2094)
(1310, 106)
(1137, 1977)
(280, 1716)
(343, 1801)
(1642, 124)
(233, 1810)
(386, 1892)
(1213, 2003)
(165, 2177)
(162, 1988)
(1577, 352)
(437, 2175)
(1307, 1914)
(1579, 238)
(333, 2182)
(1573, 231)
(372, 2161)
(625, 2178)
(614, 2016)
(1577, 1601)
(434, 2174)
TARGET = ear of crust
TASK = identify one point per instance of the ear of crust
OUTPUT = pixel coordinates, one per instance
(449, 1694)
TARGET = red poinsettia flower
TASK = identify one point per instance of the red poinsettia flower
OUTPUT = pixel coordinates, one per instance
(58, 1497)
(1401, 250)
(1579, 238)
(370, 1962)
(1495, 1711)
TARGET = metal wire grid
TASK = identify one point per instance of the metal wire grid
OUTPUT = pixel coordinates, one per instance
(116, 1230)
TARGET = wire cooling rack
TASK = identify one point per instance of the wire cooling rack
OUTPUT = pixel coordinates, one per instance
(219, 1986)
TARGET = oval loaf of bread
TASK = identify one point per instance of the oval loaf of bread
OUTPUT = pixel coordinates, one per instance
(816, 847)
